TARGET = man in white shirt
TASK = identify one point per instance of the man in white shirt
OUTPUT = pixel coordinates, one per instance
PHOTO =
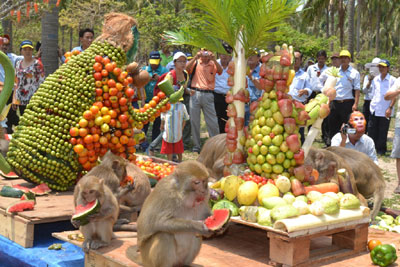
(367, 88)
(381, 109)
(352, 135)
(314, 72)
(345, 103)
(300, 86)
(220, 90)
(392, 94)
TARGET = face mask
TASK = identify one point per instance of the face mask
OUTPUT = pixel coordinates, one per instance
(358, 121)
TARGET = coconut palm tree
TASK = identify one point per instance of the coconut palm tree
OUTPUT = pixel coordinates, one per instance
(244, 25)
(351, 15)
(50, 39)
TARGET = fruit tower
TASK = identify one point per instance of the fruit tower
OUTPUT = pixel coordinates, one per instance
(80, 111)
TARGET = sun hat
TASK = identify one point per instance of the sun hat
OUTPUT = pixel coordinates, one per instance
(178, 55)
(155, 58)
(26, 43)
(373, 63)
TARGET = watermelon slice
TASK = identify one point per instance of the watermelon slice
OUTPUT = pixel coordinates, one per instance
(22, 188)
(21, 206)
(41, 190)
(82, 212)
(8, 191)
(218, 219)
(29, 196)
(10, 175)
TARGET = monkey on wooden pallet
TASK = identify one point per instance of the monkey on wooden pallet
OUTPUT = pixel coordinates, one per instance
(368, 176)
(327, 164)
(212, 155)
(99, 231)
(170, 223)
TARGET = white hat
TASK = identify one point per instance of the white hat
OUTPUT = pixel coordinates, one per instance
(374, 63)
(180, 54)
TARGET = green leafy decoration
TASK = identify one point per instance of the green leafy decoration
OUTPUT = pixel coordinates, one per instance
(222, 20)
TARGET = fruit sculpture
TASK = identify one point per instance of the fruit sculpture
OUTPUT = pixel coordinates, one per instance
(80, 111)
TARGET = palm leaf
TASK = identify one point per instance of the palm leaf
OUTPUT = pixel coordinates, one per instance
(222, 20)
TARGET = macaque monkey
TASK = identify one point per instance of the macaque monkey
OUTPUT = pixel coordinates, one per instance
(4, 144)
(113, 170)
(99, 231)
(133, 201)
(368, 176)
(170, 224)
(212, 155)
(327, 164)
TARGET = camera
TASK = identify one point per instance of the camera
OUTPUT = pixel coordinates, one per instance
(205, 53)
(348, 130)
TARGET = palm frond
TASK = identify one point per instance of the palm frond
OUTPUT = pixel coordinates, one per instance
(224, 19)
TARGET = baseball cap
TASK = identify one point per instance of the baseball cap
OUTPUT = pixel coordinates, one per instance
(26, 43)
(155, 57)
(373, 63)
(345, 53)
(178, 55)
(335, 55)
(384, 62)
(189, 56)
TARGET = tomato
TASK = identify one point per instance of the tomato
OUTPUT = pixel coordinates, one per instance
(113, 91)
(104, 73)
(97, 67)
(97, 76)
(161, 95)
(106, 60)
(123, 101)
(117, 71)
(111, 83)
(98, 59)
(129, 92)
(156, 99)
(109, 67)
(373, 243)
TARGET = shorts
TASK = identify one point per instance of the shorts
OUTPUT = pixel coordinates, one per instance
(172, 148)
(396, 144)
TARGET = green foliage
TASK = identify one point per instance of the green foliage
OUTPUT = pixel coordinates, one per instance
(223, 20)
(307, 44)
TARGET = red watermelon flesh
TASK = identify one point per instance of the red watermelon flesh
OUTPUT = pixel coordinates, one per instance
(41, 189)
(83, 211)
(22, 188)
(21, 206)
(218, 219)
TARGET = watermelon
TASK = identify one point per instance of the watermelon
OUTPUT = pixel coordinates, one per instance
(83, 211)
(218, 219)
(29, 196)
(22, 188)
(40, 190)
(21, 206)
(10, 175)
(8, 191)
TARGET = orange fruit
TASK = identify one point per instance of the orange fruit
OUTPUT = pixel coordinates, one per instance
(373, 243)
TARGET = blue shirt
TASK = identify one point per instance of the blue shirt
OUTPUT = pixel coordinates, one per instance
(149, 88)
(221, 81)
(253, 91)
(350, 80)
(365, 145)
(79, 48)
(312, 72)
(300, 82)
(170, 66)
(379, 88)
(13, 58)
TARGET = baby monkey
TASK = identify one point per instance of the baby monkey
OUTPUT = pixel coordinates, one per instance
(99, 231)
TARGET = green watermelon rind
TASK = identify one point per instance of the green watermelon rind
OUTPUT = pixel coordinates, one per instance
(8, 191)
(19, 203)
(212, 223)
(82, 217)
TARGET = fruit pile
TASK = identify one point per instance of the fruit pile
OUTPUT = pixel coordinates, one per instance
(159, 170)
(68, 55)
(88, 98)
(259, 180)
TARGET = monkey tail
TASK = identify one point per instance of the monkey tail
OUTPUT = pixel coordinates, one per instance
(125, 227)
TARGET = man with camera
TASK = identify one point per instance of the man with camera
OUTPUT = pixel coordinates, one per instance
(202, 69)
(352, 135)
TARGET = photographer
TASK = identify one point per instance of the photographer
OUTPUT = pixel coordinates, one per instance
(352, 135)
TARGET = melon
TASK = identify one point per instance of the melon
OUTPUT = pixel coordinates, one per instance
(41, 189)
(29, 196)
(10, 175)
(83, 211)
(21, 206)
(218, 219)
(22, 188)
(8, 191)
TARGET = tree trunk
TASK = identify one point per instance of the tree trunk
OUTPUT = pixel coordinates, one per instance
(358, 26)
(341, 22)
(63, 37)
(351, 27)
(377, 28)
(71, 34)
(332, 15)
(327, 22)
(6, 24)
(50, 39)
(239, 83)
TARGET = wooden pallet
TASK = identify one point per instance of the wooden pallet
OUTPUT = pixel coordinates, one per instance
(297, 251)
(20, 228)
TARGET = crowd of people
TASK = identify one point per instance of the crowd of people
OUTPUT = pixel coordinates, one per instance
(205, 79)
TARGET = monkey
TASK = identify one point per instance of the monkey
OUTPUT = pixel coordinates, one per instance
(99, 231)
(4, 143)
(327, 164)
(368, 176)
(113, 170)
(212, 155)
(170, 224)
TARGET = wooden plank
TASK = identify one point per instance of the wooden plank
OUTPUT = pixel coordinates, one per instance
(17, 230)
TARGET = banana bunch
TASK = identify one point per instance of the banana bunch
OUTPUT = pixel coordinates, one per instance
(318, 107)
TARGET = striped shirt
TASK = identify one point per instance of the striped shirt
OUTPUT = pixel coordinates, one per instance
(173, 120)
